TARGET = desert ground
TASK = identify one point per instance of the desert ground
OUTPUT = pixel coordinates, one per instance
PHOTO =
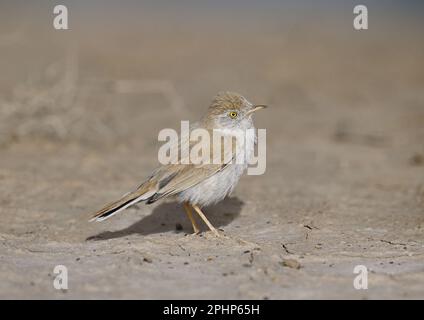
(81, 110)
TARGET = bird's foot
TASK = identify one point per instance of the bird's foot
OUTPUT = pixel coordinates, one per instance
(216, 233)
(194, 234)
(207, 234)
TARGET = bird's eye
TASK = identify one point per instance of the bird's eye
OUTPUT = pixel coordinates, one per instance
(233, 114)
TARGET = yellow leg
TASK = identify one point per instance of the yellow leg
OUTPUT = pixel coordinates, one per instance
(190, 216)
(211, 227)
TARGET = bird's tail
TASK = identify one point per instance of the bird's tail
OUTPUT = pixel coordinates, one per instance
(126, 201)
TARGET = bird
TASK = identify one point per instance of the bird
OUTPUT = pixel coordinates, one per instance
(196, 185)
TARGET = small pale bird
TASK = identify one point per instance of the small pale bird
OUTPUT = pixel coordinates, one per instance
(198, 185)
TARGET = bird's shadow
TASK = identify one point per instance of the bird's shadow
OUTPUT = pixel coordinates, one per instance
(170, 216)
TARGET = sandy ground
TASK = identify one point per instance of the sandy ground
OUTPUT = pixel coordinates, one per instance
(344, 184)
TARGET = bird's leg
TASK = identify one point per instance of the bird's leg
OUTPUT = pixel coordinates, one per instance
(190, 216)
(211, 227)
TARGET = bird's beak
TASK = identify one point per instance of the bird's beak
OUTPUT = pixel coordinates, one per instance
(256, 108)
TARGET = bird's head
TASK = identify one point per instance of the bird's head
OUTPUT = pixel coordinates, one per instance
(231, 110)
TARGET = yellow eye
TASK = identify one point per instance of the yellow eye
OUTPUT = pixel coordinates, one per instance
(233, 114)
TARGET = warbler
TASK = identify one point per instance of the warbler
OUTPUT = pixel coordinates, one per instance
(198, 185)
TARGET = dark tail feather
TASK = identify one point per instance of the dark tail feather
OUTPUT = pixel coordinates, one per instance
(117, 206)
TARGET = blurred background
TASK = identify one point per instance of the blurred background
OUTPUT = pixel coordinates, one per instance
(80, 110)
(133, 64)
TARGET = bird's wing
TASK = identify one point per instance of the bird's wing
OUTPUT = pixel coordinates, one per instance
(182, 177)
(169, 180)
(174, 178)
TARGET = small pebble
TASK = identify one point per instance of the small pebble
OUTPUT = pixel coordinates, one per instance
(417, 159)
(290, 263)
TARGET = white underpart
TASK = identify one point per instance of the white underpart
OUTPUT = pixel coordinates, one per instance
(218, 186)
